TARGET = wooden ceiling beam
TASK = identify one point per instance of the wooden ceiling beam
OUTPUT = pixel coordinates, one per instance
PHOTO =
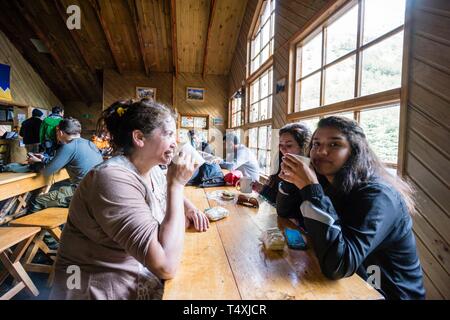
(173, 18)
(134, 10)
(208, 35)
(97, 8)
(21, 7)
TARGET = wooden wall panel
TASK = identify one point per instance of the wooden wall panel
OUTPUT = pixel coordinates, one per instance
(86, 114)
(427, 144)
(27, 87)
(116, 86)
(216, 101)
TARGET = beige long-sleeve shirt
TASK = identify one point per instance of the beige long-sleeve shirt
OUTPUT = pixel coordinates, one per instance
(112, 218)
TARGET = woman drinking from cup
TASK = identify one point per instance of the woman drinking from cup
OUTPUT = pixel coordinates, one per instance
(125, 229)
(294, 139)
(357, 214)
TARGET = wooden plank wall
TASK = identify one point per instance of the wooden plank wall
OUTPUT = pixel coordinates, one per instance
(27, 87)
(116, 86)
(215, 104)
(428, 136)
(86, 114)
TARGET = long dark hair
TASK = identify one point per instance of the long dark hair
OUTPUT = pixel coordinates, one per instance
(301, 134)
(123, 117)
(362, 165)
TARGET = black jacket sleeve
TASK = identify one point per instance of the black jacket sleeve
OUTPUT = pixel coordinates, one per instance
(341, 248)
(288, 201)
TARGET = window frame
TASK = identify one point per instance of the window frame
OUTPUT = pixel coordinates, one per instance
(358, 103)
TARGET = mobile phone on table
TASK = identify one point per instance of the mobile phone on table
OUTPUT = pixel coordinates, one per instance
(294, 239)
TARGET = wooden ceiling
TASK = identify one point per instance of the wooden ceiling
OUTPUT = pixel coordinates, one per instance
(194, 36)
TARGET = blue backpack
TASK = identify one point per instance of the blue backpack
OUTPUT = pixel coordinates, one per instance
(207, 175)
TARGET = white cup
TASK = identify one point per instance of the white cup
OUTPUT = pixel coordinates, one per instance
(244, 185)
(303, 159)
(186, 148)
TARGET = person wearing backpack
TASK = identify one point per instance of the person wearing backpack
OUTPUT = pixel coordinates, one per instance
(47, 133)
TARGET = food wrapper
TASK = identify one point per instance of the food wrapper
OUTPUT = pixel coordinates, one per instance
(216, 213)
(273, 239)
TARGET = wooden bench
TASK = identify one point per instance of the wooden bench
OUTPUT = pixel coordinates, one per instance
(21, 237)
(49, 220)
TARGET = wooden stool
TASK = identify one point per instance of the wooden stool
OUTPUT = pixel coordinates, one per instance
(8, 238)
(49, 220)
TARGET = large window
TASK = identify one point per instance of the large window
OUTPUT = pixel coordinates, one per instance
(261, 44)
(261, 97)
(259, 143)
(355, 52)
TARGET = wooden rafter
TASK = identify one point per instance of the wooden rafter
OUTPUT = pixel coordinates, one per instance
(208, 35)
(54, 53)
(134, 10)
(97, 8)
(173, 18)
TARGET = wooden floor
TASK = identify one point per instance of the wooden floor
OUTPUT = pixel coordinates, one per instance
(229, 261)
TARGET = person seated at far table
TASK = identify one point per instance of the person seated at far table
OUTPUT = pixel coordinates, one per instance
(77, 155)
(127, 220)
(239, 157)
(357, 214)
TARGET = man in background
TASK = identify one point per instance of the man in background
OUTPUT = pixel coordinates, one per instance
(47, 133)
(30, 131)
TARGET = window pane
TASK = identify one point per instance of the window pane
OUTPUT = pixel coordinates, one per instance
(253, 138)
(262, 157)
(382, 65)
(311, 123)
(265, 12)
(256, 45)
(340, 81)
(310, 92)
(382, 16)
(265, 85)
(341, 35)
(312, 55)
(254, 91)
(266, 34)
(381, 127)
(268, 163)
(238, 119)
(254, 112)
(262, 138)
(265, 54)
(263, 108)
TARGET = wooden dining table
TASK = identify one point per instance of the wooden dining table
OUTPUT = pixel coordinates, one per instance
(229, 261)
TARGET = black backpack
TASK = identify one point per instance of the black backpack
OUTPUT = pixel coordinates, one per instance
(208, 175)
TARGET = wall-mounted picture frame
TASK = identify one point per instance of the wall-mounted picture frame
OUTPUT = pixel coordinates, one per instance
(146, 92)
(195, 94)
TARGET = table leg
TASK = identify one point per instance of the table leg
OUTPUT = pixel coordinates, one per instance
(13, 266)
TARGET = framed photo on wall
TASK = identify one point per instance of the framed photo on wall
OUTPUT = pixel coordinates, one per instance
(146, 92)
(195, 94)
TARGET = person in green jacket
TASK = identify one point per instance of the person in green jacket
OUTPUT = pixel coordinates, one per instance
(47, 132)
